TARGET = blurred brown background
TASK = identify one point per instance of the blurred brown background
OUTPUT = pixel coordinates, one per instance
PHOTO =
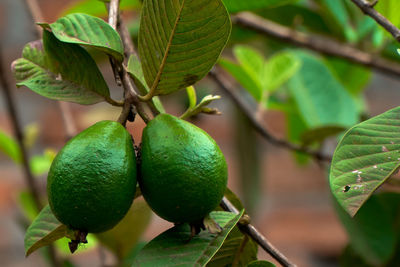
(294, 211)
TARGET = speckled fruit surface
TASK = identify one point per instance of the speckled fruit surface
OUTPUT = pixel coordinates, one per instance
(183, 171)
(92, 180)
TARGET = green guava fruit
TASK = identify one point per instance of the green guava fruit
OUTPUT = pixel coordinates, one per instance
(92, 180)
(183, 173)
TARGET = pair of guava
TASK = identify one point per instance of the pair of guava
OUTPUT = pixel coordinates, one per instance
(92, 181)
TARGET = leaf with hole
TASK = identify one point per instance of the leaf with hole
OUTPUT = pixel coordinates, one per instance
(43, 231)
(49, 72)
(367, 155)
(174, 246)
(83, 29)
(180, 41)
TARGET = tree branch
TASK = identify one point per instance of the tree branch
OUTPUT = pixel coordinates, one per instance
(258, 237)
(29, 178)
(65, 109)
(318, 43)
(223, 84)
(368, 9)
(129, 88)
(11, 107)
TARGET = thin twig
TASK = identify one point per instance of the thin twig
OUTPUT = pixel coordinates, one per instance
(126, 110)
(113, 13)
(65, 108)
(223, 84)
(316, 43)
(126, 39)
(129, 51)
(10, 102)
(258, 237)
(68, 121)
(368, 9)
(29, 178)
(129, 87)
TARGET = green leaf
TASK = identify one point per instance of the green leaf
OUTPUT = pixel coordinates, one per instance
(129, 259)
(349, 258)
(250, 60)
(52, 76)
(296, 127)
(321, 99)
(278, 70)
(10, 147)
(125, 235)
(389, 9)
(234, 199)
(200, 107)
(365, 26)
(31, 134)
(372, 232)
(312, 19)
(245, 80)
(192, 97)
(232, 247)
(353, 77)
(83, 29)
(44, 230)
(180, 41)
(234, 6)
(173, 247)
(261, 264)
(40, 164)
(97, 7)
(27, 205)
(338, 13)
(136, 72)
(368, 154)
(318, 135)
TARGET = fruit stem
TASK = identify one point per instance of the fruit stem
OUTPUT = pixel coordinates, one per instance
(80, 237)
(114, 102)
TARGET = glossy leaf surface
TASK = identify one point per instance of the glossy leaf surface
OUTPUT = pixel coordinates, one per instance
(368, 154)
(179, 41)
(174, 247)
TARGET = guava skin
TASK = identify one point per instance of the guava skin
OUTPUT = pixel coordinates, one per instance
(183, 171)
(92, 181)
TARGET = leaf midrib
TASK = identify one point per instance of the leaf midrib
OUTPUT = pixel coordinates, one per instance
(164, 60)
(212, 243)
(46, 70)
